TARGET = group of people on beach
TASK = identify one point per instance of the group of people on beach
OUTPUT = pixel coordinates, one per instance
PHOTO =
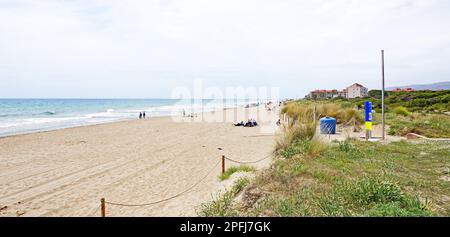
(142, 115)
(270, 106)
(250, 123)
(191, 115)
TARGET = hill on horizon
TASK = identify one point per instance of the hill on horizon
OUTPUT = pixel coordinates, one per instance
(433, 86)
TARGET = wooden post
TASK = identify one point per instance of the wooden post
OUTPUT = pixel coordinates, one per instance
(314, 114)
(103, 207)
(223, 164)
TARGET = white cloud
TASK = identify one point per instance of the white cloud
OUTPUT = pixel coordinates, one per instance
(144, 48)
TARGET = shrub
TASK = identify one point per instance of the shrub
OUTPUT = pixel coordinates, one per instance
(371, 190)
(397, 209)
(400, 110)
(372, 197)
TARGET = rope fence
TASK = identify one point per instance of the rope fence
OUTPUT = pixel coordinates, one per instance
(103, 202)
(166, 199)
(248, 162)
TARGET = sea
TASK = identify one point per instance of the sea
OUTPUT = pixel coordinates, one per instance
(19, 116)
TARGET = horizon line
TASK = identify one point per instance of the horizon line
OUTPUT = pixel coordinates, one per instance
(131, 98)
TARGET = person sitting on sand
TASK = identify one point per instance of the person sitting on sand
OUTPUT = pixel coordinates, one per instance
(254, 123)
(250, 123)
(241, 124)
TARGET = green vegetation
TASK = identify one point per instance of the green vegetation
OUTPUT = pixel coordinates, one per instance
(429, 125)
(299, 136)
(224, 204)
(365, 197)
(235, 169)
(354, 178)
(416, 101)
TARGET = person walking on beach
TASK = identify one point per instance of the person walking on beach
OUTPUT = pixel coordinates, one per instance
(143, 114)
(140, 115)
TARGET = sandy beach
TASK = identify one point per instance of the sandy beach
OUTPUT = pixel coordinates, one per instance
(66, 172)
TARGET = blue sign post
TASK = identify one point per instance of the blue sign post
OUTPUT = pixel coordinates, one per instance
(368, 113)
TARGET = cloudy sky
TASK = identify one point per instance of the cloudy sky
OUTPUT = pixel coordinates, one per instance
(143, 49)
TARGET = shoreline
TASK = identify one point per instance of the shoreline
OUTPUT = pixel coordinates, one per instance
(63, 128)
(119, 120)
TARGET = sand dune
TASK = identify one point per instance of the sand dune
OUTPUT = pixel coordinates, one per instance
(66, 172)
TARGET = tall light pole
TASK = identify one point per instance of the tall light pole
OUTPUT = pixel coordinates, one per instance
(382, 95)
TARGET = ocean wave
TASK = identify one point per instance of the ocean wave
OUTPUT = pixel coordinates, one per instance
(35, 121)
(27, 115)
(9, 115)
(49, 113)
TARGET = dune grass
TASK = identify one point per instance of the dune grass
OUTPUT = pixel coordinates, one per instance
(355, 178)
(235, 169)
(344, 113)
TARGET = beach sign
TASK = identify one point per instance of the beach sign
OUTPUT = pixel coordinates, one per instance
(368, 115)
(368, 118)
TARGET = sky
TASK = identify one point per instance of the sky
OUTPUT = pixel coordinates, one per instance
(145, 49)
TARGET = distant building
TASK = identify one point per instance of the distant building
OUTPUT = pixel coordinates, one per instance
(357, 91)
(354, 91)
